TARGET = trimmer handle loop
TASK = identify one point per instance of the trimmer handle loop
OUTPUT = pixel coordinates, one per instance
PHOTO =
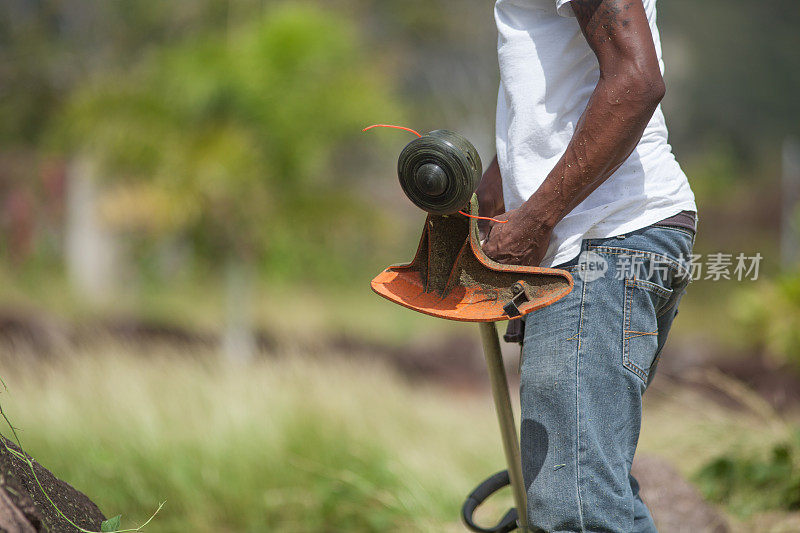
(480, 495)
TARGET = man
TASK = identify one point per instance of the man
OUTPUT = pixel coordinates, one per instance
(586, 181)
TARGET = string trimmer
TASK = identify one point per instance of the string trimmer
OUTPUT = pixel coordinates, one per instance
(450, 277)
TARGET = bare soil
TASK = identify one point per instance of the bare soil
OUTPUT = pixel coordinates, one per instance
(24, 507)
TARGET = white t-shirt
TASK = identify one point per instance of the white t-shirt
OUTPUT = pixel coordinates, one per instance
(547, 73)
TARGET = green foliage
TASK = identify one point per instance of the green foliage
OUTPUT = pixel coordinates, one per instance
(112, 524)
(49, 48)
(732, 66)
(768, 316)
(714, 174)
(233, 134)
(749, 483)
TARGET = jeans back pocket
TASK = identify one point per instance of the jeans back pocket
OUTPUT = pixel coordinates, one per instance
(645, 302)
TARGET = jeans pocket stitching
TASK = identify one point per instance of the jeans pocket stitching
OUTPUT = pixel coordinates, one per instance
(630, 284)
(673, 299)
(639, 334)
(665, 309)
(649, 286)
(672, 264)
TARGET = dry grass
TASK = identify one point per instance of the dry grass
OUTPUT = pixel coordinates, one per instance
(302, 444)
(289, 444)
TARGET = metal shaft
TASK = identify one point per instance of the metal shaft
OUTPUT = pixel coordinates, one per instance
(505, 416)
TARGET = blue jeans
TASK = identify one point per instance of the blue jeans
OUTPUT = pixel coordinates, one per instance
(586, 362)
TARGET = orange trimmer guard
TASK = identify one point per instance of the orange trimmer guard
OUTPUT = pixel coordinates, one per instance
(450, 277)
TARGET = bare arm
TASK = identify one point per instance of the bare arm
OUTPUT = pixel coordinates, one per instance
(627, 93)
(490, 195)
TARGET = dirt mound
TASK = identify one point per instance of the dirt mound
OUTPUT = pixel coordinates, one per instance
(25, 509)
(777, 383)
(674, 502)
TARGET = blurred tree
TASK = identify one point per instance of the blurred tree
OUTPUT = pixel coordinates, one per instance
(224, 140)
(47, 47)
(733, 67)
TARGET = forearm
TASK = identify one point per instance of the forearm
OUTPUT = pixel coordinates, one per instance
(490, 191)
(627, 93)
(605, 136)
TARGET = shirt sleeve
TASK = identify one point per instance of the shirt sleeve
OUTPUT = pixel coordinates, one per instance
(564, 9)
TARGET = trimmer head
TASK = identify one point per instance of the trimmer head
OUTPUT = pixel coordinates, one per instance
(450, 277)
(439, 171)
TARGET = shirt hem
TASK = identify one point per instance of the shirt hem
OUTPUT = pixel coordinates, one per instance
(601, 232)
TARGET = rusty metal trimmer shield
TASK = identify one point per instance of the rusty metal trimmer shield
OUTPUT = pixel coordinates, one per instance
(450, 277)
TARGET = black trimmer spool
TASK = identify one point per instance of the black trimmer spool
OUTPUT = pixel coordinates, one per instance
(439, 172)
